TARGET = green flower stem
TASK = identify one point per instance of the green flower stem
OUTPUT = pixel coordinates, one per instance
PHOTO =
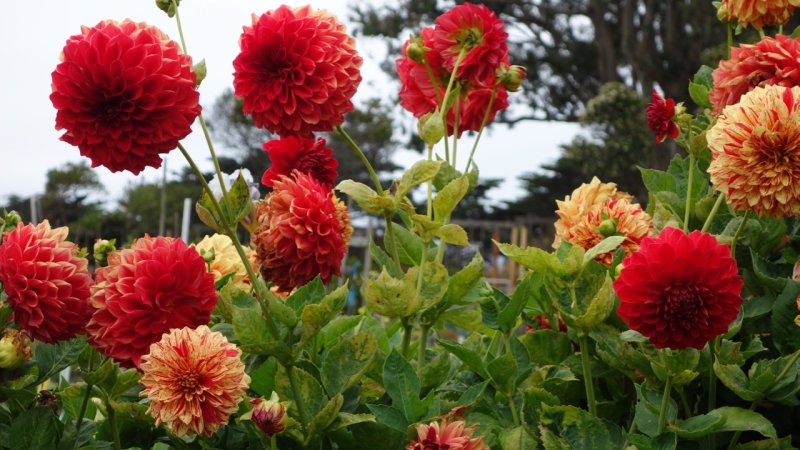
(362, 157)
(432, 79)
(390, 243)
(456, 118)
(202, 121)
(712, 387)
(662, 412)
(261, 295)
(777, 380)
(687, 211)
(512, 404)
(407, 330)
(423, 345)
(82, 410)
(730, 39)
(713, 214)
(273, 443)
(583, 343)
(429, 210)
(444, 106)
(301, 408)
(112, 424)
(483, 125)
(739, 233)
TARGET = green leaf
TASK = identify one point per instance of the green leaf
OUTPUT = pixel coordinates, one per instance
(250, 329)
(648, 404)
(733, 378)
(347, 361)
(507, 319)
(200, 71)
(469, 357)
(579, 429)
(402, 385)
(740, 419)
(325, 417)
(391, 417)
(784, 443)
(205, 215)
(431, 287)
(447, 199)
(309, 293)
(125, 381)
(337, 328)
(310, 392)
(389, 296)
(5, 314)
(316, 316)
(608, 244)
(35, 429)
(547, 347)
(472, 394)
(262, 379)
(384, 261)
(464, 281)
(532, 258)
(237, 203)
(501, 370)
(365, 197)
(785, 332)
(698, 426)
(700, 87)
(419, 173)
(53, 358)
(516, 439)
(453, 234)
(592, 307)
(344, 420)
(409, 245)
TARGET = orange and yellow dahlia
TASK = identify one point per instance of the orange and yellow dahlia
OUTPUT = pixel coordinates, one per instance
(758, 13)
(446, 435)
(194, 379)
(755, 149)
(590, 205)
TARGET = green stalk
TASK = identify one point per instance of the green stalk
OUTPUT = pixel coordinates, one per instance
(301, 408)
(82, 411)
(429, 210)
(112, 424)
(362, 157)
(389, 236)
(202, 121)
(273, 443)
(456, 118)
(739, 233)
(407, 330)
(483, 125)
(423, 345)
(688, 208)
(713, 214)
(662, 412)
(587, 374)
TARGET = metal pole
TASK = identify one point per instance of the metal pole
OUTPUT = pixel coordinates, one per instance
(187, 208)
(34, 210)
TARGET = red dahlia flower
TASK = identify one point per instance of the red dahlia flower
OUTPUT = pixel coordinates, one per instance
(477, 31)
(145, 291)
(194, 380)
(302, 154)
(297, 71)
(420, 96)
(679, 290)
(770, 61)
(47, 283)
(303, 232)
(125, 93)
(660, 117)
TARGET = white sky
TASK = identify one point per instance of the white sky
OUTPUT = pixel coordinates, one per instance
(33, 34)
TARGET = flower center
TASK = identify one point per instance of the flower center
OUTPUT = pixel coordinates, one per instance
(681, 301)
(274, 64)
(779, 148)
(470, 37)
(189, 382)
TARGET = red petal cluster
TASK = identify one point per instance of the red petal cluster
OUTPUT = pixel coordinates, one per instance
(47, 283)
(660, 117)
(297, 71)
(303, 232)
(125, 93)
(302, 154)
(419, 95)
(679, 290)
(145, 291)
(477, 31)
(771, 61)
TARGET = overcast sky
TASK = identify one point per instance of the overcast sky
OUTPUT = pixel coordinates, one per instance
(33, 34)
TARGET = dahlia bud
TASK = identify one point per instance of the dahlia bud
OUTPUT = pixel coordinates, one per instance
(208, 254)
(268, 415)
(101, 249)
(512, 77)
(167, 6)
(431, 127)
(10, 221)
(608, 227)
(415, 51)
(618, 270)
(15, 349)
(722, 12)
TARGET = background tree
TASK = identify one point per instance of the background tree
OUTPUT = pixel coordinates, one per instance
(616, 143)
(72, 198)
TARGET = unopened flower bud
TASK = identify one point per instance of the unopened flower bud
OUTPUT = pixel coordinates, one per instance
(208, 254)
(268, 415)
(15, 349)
(415, 52)
(431, 127)
(10, 221)
(512, 77)
(722, 13)
(618, 270)
(101, 249)
(608, 227)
